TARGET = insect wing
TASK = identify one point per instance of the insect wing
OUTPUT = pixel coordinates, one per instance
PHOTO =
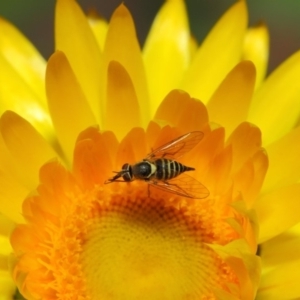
(177, 147)
(183, 185)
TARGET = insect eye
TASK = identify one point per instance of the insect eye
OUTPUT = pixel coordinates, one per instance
(127, 176)
(125, 167)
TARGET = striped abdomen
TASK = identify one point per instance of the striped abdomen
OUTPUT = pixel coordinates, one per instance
(168, 169)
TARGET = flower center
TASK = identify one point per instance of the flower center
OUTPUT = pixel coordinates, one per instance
(142, 249)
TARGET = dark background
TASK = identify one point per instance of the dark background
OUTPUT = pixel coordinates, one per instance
(35, 19)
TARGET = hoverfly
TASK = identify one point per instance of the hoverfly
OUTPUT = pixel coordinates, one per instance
(160, 169)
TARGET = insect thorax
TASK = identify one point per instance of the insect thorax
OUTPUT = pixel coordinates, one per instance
(143, 170)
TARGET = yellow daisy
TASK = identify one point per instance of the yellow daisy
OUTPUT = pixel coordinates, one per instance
(105, 103)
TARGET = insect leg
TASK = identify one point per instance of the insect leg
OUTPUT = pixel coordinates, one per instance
(115, 178)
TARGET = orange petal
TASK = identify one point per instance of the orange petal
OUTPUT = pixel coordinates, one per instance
(67, 103)
(220, 168)
(111, 143)
(122, 108)
(23, 238)
(230, 103)
(122, 46)
(284, 160)
(248, 228)
(167, 50)
(219, 53)
(109, 138)
(205, 155)
(92, 163)
(208, 159)
(132, 148)
(152, 132)
(245, 141)
(245, 265)
(278, 211)
(54, 192)
(27, 146)
(249, 179)
(75, 38)
(178, 109)
(276, 102)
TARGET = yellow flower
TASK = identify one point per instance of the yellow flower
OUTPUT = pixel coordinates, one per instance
(106, 104)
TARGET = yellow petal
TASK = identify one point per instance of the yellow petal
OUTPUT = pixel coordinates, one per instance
(67, 103)
(278, 211)
(219, 53)
(282, 249)
(281, 283)
(6, 227)
(99, 27)
(28, 148)
(122, 46)
(256, 49)
(7, 285)
(12, 195)
(22, 56)
(284, 168)
(230, 103)
(275, 107)
(7, 163)
(13, 188)
(122, 108)
(24, 100)
(193, 47)
(167, 50)
(75, 38)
